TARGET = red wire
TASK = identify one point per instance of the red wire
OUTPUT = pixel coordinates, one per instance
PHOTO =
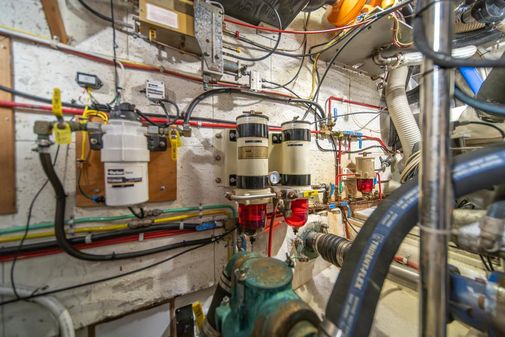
(271, 231)
(109, 242)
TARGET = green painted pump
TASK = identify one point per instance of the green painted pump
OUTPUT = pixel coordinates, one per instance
(261, 301)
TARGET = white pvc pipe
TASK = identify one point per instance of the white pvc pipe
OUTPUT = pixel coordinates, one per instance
(400, 112)
(66, 325)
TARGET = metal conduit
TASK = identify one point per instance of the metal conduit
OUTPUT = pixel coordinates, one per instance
(435, 180)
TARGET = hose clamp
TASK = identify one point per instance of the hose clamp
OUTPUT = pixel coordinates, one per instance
(328, 329)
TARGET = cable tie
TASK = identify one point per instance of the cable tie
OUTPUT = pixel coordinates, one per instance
(434, 230)
(88, 239)
(141, 237)
(199, 124)
(181, 225)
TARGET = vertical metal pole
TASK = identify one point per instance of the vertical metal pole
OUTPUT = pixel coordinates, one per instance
(435, 180)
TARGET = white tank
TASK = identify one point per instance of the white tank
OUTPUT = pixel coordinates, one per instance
(125, 156)
(295, 167)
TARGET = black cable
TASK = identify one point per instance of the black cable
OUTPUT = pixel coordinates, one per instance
(101, 16)
(135, 214)
(302, 62)
(353, 35)
(59, 223)
(114, 57)
(279, 35)
(442, 59)
(205, 242)
(97, 237)
(490, 263)
(177, 109)
(37, 98)
(491, 125)
(220, 91)
(28, 219)
(490, 108)
(484, 262)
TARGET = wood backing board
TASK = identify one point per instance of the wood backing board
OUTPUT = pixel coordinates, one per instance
(7, 136)
(54, 19)
(162, 175)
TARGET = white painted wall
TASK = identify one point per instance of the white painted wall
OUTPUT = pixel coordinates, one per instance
(39, 69)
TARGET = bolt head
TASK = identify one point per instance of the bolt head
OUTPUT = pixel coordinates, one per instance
(218, 180)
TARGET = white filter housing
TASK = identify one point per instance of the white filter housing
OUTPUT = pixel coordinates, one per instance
(295, 170)
(252, 154)
(125, 157)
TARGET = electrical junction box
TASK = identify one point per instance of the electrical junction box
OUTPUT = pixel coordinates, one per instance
(169, 22)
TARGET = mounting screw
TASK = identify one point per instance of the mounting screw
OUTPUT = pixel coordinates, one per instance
(218, 180)
(225, 300)
(217, 157)
(219, 136)
(93, 141)
(162, 188)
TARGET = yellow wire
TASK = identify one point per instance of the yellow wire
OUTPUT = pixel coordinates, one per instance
(111, 227)
(314, 77)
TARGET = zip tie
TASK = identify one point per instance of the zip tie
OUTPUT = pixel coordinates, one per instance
(71, 221)
(181, 225)
(199, 124)
(200, 210)
(141, 237)
(88, 239)
(434, 230)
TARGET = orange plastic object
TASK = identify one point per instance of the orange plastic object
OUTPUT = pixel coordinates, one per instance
(345, 12)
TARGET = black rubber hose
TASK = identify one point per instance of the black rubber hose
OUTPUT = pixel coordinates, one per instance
(96, 237)
(221, 91)
(356, 292)
(59, 224)
(223, 289)
(332, 248)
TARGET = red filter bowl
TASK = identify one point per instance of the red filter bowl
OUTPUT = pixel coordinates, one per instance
(252, 217)
(299, 213)
(364, 185)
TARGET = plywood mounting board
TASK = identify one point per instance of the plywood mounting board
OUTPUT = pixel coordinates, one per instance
(162, 175)
(7, 139)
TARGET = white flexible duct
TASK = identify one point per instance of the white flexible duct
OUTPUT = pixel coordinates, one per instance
(416, 58)
(399, 110)
(61, 313)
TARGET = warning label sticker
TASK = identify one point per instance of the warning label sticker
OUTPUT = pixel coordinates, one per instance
(253, 152)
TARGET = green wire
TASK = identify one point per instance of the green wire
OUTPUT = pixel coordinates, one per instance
(46, 224)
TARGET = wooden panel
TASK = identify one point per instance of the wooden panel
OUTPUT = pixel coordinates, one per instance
(162, 175)
(7, 139)
(54, 19)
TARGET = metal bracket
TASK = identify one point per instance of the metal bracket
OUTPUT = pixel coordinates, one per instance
(232, 180)
(276, 138)
(233, 135)
(209, 35)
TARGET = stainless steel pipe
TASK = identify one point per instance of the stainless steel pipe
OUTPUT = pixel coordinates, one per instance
(435, 182)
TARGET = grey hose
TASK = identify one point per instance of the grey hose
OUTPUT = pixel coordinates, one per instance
(399, 110)
(66, 325)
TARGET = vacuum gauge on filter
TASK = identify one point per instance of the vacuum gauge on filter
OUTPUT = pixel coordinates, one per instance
(365, 174)
(252, 170)
(295, 172)
(125, 156)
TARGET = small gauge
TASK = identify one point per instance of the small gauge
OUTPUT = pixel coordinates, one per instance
(274, 177)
